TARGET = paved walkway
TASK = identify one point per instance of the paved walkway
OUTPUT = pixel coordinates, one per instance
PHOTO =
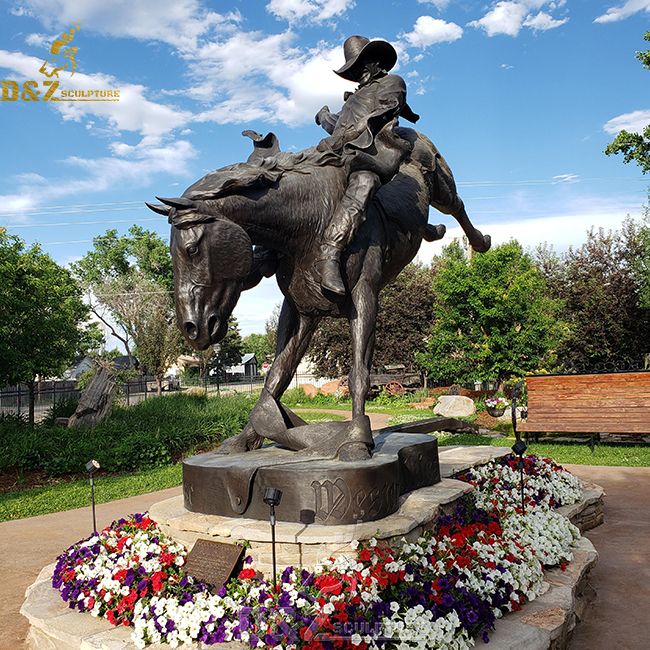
(617, 620)
(620, 615)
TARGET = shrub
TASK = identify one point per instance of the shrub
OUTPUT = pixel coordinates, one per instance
(155, 432)
(63, 408)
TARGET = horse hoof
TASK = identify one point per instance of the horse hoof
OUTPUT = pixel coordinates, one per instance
(484, 245)
(353, 451)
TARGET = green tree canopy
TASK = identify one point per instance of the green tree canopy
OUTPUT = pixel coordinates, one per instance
(130, 278)
(603, 285)
(492, 319)
(403, 323)
(43, 319)
(259, 345)
(635, 147)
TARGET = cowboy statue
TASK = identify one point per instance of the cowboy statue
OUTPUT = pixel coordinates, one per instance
(363, 134)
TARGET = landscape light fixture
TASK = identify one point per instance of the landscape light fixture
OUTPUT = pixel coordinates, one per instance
(272, 498)
(520, 446)
(91, 467)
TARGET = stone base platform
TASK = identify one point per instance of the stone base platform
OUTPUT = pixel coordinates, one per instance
(544, 624)
(306, 545)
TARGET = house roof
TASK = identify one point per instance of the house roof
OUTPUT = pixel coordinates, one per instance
(247, 358)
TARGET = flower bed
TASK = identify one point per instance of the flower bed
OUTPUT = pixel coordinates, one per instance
(481, 561)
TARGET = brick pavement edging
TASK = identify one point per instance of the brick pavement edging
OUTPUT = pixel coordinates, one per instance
(544, 624)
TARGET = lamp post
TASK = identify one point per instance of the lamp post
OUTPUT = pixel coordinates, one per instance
(272, 498)
(91, 467)
(520, 446)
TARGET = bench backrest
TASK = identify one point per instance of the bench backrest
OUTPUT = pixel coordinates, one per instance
(599, 403)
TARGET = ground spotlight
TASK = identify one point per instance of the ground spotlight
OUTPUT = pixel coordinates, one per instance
(91, 467)
(272, 498)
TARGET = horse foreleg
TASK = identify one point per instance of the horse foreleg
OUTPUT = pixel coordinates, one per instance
(362, 329)
(294, 335)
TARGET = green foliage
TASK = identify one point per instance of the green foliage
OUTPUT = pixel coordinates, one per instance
(635, 147)
(66, 495)
(42, 314)
(141, 253)
(258, 344)
(63, 408)
(492, 318)
(153, 433)
(603, 285)
(403, 322)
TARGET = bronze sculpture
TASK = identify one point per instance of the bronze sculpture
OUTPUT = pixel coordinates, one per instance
(368, 188)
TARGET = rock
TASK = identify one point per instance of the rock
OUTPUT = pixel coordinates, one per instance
(61, 422)
(334, 387)
(309, 389)
(454, 406)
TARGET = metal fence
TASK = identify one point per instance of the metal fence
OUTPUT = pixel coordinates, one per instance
(15, 399)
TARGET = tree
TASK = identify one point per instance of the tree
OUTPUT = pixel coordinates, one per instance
(492, 318)
(114, 265)
(635, 147)
(259, 345)
(403, 322)
(43, 319)
(228, 352)
(132, 281)
(603, 285)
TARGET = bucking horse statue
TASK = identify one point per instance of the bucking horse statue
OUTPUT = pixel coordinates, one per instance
(267, 216)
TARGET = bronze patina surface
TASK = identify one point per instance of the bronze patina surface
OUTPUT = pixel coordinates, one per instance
(315, 490)
(334, 223)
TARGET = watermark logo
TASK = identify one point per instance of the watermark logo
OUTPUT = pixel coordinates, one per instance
(64, 59)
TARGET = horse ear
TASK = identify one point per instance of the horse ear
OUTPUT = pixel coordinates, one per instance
(232, 250)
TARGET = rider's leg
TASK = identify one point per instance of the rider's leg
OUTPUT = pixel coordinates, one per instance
(349, 215)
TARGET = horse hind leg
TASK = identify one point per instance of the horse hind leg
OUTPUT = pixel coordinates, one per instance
(444, 198)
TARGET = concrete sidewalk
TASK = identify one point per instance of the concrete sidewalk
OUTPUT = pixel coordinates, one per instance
(617, 620)
(619, 617)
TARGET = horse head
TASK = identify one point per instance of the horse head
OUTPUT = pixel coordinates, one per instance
(211, 259)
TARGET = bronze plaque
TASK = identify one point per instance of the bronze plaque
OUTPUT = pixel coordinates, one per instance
(213, 562)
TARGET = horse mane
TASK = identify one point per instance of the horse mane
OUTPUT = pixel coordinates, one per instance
(258, 174)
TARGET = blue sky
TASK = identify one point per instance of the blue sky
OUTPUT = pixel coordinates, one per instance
(521, 96)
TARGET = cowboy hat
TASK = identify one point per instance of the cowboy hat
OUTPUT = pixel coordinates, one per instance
(358, 50)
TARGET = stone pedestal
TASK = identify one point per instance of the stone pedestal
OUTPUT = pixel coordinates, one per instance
(306, 545)
(544, 624)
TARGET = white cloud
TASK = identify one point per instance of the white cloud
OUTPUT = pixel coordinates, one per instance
(440, 5)
(633, 122)
(267, 79)
(312, 10)
(627, 9)
(130, 166)
(509, 16)
(506, 66)
(543, 21)
(560, 230)
(566, 178)
(134, 112)
(181, 23)
(428, 31)
(39, 40)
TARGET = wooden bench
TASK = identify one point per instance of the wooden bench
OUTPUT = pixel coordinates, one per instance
(598, 403)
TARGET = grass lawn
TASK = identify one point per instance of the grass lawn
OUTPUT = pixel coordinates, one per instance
(563, 453)
(67, 495)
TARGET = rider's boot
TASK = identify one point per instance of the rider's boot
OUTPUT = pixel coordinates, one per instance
(328, 267)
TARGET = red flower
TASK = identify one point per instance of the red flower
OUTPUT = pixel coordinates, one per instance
(247, 574)
(365, 555)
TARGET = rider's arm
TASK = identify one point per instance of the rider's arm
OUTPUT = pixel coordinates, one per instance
(327, 119)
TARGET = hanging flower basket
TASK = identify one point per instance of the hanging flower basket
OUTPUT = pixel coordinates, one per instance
(496, 406)
(496, 412)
